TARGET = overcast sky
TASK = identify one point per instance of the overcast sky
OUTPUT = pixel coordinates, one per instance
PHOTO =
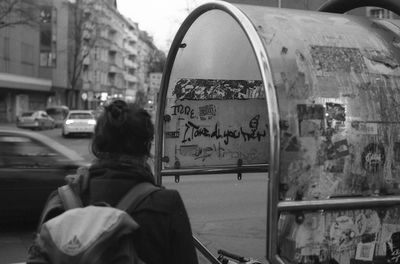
(160, 18)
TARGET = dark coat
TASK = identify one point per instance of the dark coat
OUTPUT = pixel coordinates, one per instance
(164, 235)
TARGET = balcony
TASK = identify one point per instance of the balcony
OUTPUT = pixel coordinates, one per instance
(130, 64)
(131, 50)
(113, 48)
(86, 34)
(133, 37)
(130, 78)
(112, 31)
(113, 69)
(86, 61)
(87, 11)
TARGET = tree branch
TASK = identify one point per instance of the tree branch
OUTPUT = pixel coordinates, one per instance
(17, 12)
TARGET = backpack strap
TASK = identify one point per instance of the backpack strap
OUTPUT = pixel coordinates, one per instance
(52, 208)
(69, 198)
(136, 195)
(77, 185)
(128, 203)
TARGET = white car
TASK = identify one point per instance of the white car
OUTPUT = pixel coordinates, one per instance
(78, 122)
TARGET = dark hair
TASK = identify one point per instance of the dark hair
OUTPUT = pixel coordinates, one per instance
(123, 129)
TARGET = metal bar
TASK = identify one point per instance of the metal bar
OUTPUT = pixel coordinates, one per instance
(203, 250)
(217, 170)
(339, 203)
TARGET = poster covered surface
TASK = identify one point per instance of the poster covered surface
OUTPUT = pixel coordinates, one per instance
(340, 140)
(367, 236)
(215, 123)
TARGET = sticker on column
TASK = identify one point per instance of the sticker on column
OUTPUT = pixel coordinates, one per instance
(310, 119)
(373, 157)
(393, 248)
(365, 251)
(364, 128)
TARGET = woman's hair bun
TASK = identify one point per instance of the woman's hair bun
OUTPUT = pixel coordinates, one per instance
(117, 112)
(123, 129)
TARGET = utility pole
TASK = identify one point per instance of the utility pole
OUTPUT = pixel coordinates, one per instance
(279, 3)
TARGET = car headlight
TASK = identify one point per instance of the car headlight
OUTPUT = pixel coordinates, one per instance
(68, 122)
(92, 122)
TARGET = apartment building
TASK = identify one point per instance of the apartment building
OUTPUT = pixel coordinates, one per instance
(80, 54)
(33, 61)
(113, 67)
(146, 50)
(131, 59)
(104, 54)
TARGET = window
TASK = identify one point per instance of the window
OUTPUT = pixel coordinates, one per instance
(6, 51)
(80, 116)
(104, 33)
(379, 13)
(96, 53)
(46, 59)
(111, 78)
(45, 38)
(26, 53)
(26, 114)
(85, 72)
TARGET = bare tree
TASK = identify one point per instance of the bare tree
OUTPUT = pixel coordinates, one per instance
(156, 61)
(18, 12)
(141, 98)
(84, 33)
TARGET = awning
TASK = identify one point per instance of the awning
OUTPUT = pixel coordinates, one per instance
(13, 81)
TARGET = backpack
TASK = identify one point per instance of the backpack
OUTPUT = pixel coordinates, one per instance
(94, 234)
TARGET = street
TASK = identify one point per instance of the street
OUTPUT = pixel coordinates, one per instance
(225, 213)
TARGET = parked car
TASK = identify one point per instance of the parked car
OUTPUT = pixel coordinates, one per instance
(31, 166)
(58, 113)
(78, 122)
(35, 120)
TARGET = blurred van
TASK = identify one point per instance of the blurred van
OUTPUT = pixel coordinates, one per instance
(58, 113)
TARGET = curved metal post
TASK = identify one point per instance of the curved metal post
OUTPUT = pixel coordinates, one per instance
(271, 101)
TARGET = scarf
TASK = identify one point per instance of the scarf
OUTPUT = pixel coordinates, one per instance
(112, 175)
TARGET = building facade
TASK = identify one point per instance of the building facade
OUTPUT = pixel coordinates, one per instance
(131, 59)
(80, 54)
(114, 67)
(33, 61)
(146, 50)
(109, 67)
